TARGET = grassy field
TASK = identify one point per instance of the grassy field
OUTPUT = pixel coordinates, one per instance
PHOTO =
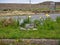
(50, 29)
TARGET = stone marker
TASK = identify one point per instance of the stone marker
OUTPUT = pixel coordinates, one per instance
(29, 26)
(21, 21)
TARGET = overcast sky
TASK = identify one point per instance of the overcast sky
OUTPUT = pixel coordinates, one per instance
(25, 1)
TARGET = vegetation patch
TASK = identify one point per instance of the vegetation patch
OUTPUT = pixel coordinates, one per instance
(47, 28)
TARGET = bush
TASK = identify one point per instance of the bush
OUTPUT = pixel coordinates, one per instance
(5, 9)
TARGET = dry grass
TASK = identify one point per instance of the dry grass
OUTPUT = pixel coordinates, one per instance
(2, 13)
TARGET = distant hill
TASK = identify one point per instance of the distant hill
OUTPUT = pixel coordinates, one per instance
(48, 2)
(45, 4)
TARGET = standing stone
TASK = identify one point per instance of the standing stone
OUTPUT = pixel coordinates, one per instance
(21, 21)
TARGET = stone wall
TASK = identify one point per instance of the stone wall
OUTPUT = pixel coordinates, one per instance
(29, 42)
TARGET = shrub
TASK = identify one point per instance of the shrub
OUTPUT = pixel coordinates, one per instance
(5, 9)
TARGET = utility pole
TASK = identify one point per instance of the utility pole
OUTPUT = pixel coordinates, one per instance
(30, 4)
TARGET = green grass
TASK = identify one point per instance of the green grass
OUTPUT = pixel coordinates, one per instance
(10, 33)
(50, 29)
